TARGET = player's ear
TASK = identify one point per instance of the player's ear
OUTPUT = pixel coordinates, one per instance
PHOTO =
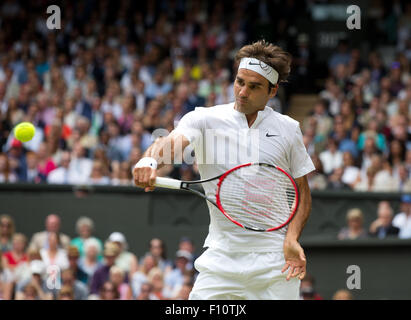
(273, 91)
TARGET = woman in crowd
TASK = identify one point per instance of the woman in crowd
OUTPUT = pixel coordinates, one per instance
(54, 254)
(85, 229)
(90, 262)
(117, 277)
(6, 232)
(17, 254)
(355, 226)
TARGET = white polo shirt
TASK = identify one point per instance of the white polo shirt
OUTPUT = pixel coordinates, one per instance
(222, 139)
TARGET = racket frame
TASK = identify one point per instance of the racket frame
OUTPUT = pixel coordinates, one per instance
(185, 185)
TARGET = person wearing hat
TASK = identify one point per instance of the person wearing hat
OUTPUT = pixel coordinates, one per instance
(402, 220)
(73, 256)
(102, 274)
(126, 260)
(175, 278)
(38, 271)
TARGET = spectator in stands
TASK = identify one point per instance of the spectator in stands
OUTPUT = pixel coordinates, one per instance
(343, 294)
(68, 279)
(66, 293)
(60, 175)
(32, 174)
(403, 180)
(349, 143)
(85, 229)
(159, 251)
(317, 179)
(323, 121)
(17, 254)
(384, 180)
(6, 282)
(156, 278)
(396, 154)
(101, 275)
(341, 55)
(45, 162)
(80, 166)
(7, 230)
(333, 95)
(146, 292)
(402, 220)
(307, 289)
(37, 280)
(355, 226)
(382, 227)
(54, 255)
(73, 256)
(367, 182)
(372, 132)
(331, 158)
(117, 277)
(175, 278)
(53, 224)
(350, 171)
(23, 272)
(126, 260)
(109, 291)
(366, 154)
(6, 171)
(335, 181)
(122, 175)
(90, 262)
(98, 175)
(140, 277)
(187, 244)
(32, 292)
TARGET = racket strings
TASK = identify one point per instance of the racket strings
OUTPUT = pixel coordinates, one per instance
(258, 196)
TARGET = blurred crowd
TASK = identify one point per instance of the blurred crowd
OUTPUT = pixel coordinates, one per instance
(98, 88)
(52, 266)
(359, 131)
(387, 224)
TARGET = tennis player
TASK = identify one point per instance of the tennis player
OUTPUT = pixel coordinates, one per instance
(243, 264)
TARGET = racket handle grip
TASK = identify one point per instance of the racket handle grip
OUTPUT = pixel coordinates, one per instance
(167, 183)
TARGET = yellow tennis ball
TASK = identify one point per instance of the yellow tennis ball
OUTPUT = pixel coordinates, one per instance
(24, 131)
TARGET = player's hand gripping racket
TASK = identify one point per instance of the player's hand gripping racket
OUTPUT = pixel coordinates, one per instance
(254, 196)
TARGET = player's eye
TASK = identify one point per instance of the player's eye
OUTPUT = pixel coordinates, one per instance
(240, 82)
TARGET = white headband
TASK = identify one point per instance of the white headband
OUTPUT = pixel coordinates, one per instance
(261, 68)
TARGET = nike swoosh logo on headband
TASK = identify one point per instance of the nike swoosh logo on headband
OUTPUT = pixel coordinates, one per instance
(271, 135)
(262, 65)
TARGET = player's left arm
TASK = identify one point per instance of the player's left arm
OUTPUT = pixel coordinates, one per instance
(294, 256)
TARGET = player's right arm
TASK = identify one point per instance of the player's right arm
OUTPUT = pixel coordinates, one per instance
(164, 150)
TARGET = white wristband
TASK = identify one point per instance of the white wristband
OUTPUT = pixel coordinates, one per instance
(146, 162)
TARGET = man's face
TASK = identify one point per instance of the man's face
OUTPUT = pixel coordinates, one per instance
(385, 216)
(251, 91)
(53, 223)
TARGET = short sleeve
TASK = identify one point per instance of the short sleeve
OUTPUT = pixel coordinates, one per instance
(191, 126)
(300, 161)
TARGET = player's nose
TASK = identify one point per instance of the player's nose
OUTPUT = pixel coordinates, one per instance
(243, 92)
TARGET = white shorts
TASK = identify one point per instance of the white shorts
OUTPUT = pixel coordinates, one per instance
(243, 275)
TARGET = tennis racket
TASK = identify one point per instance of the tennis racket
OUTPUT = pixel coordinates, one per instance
(254, 196)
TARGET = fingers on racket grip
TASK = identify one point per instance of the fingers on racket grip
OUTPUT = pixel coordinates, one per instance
(167, 183)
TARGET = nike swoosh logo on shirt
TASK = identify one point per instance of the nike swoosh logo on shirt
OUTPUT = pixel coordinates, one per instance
(271, 135)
